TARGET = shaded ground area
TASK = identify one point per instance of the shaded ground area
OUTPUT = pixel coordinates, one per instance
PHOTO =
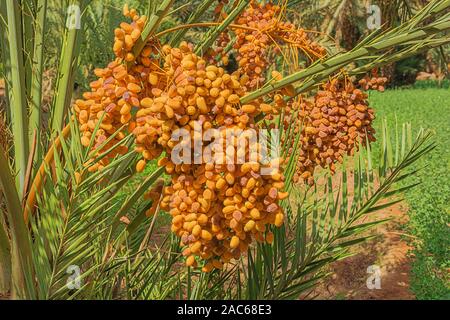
(388, 251)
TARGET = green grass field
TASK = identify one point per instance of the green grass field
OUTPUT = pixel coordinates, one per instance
(429, 203)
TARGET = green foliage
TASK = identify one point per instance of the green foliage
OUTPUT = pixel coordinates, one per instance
(429, 203)
(428, 84)
(407, 69)
(427, 281)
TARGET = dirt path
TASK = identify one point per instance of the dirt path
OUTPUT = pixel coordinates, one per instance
(388, 251)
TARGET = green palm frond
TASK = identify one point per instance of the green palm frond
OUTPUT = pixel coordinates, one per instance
(213, 34)
(75, 226)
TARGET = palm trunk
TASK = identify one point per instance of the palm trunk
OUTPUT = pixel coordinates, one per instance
(21, 261)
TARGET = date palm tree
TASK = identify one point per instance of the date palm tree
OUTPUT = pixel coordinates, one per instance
(51, 220)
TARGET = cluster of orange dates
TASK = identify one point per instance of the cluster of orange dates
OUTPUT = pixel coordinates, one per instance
(107, 109)
(331, 125)
(127, 35)
(263, 31)
(219, 205)
(373, 83)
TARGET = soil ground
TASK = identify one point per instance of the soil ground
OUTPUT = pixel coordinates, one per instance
(389, 250)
